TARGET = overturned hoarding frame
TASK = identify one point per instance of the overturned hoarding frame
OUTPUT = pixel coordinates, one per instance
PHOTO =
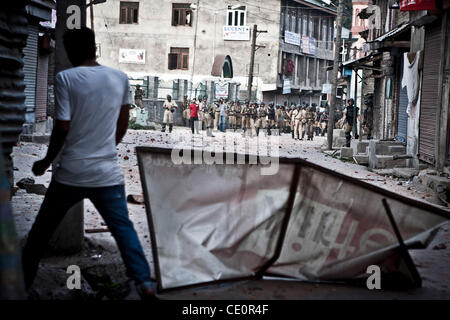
(400, 248)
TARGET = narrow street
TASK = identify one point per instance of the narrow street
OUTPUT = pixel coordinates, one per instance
(100, 261)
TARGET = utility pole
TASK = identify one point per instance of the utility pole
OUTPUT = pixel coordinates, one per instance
(255, 47)
(337, 55)
(91, 9)
(197, 7)
(68, 238)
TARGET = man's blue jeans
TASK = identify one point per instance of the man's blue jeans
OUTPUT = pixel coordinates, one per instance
(112, 206)
(222, 123)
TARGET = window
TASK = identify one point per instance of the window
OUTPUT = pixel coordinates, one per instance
(181, 14)
(129, 12)
(305, 25)
(293, 21)
(236, 16)
(179, 59)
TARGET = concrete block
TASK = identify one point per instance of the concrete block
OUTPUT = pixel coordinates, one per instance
(396, 150)
(383, 147)
(362, 159)
(339, 142)
(359, 146)
(43, 139)
(386, 161)
(346, 152)
(405, 173)
(338, 133)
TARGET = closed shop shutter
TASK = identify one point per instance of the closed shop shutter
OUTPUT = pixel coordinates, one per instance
(30, 70)
(402, 115)
(428, 105)
(41, 87)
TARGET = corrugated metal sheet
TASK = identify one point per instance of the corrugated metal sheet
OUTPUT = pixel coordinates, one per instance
(30, 67)
(13, 36)
(41, 87)
(428, 105)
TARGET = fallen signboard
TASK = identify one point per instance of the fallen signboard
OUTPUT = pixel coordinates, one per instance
(305, 222)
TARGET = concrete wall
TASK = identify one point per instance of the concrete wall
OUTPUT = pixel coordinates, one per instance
(154, 33)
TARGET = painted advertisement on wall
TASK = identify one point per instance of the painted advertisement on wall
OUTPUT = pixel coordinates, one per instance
(136, 56)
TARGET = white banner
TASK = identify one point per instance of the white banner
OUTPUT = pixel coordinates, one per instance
(221, 90)
(236, 33)
(326, 88)
(286, 86)
(292, 38)
(132, 56)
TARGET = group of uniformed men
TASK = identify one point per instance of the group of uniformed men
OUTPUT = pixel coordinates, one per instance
(299, 120)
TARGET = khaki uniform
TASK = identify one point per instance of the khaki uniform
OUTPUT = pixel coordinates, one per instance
(138, 94)
(297, 115)
(260, 119)
(168, 114)
(278, 117)
(238, 115)
(232, 116)
(310, 120)
(207, 119)
(216, 116)
(245, 111)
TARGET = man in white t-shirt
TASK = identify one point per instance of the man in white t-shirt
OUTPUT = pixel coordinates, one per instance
(91, 118)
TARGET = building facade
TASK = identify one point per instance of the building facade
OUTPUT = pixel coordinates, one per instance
(408, 51)
(169, 47)
(175, 44)
(306, 51)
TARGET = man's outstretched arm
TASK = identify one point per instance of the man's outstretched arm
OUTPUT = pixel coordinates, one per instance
(57, 139)
(122, 123)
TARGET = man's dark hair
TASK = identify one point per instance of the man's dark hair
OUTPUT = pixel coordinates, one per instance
(80, 45)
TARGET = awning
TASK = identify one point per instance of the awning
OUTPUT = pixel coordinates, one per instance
(385, 41)
(360, 63)
(222, 67)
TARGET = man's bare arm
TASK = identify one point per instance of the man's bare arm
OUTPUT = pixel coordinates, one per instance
(122, 123)
(57, 139)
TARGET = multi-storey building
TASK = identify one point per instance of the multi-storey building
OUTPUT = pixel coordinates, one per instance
(169, 47)
(407, 50)
(306, 50)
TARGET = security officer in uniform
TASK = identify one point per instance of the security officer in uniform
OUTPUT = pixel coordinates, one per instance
(260, 118)
(186, 111)
(217, 114)
(169, 107)
(246, 115)
(310, 121)
(291, 119)
(253, 117)
(138, 95)
(270, 118)
(323, 122)
(278, 117)
(206, 116)
(368, 115)
(297, 115)
(350, 116)
(232, 116)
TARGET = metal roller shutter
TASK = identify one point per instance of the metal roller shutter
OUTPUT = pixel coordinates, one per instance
(30, 70)
(402, 115)
(42, 87)
(428, 105)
